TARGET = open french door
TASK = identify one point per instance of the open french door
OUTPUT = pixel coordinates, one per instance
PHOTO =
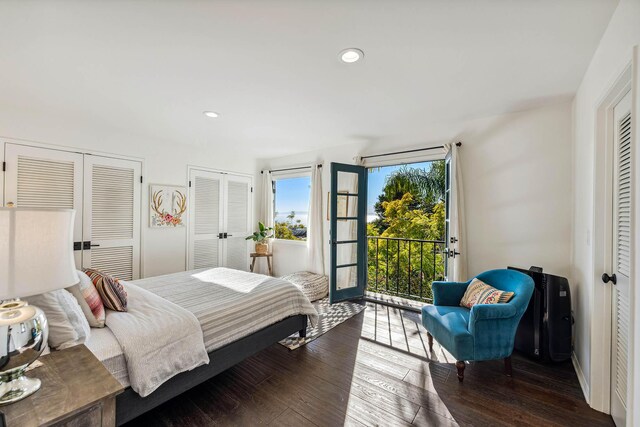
(448, 190)
(348, 207)
(454, 266)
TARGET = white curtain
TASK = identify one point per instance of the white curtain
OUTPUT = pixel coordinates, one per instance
(315, 234)
(457, 225)
(265, 215)
(266, 199)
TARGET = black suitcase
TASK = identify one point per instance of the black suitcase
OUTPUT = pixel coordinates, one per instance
(544, 333)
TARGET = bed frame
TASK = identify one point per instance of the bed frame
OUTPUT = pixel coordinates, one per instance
(130, 405)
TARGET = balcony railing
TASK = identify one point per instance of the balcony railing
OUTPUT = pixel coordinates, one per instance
(404, 267)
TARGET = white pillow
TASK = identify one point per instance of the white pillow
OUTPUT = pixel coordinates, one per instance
(68, 325)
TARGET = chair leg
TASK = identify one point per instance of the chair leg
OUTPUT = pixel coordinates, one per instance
(460, 366)
(430, 338)
(507, 366)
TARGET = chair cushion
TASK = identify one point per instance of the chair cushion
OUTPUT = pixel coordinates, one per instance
(479, 292)
(449, 326)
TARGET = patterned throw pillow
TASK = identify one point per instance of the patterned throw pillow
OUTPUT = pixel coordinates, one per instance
(89, 300)
(479, 292)
(111, 291)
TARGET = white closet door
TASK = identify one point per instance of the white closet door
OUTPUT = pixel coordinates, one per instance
(622, 260)
(205, 219)
(237, 214)
(45, 178)
(111, 219)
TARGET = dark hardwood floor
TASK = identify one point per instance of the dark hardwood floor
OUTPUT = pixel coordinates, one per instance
(375, 369)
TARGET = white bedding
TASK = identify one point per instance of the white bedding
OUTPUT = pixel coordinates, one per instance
(228, 305)
(231, 304)
(105, 346)
(158, 338)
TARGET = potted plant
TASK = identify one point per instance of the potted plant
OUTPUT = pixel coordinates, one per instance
(260, 237)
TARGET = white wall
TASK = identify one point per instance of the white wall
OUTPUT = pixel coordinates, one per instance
(517, 177)
(611, 58)
(165, 162)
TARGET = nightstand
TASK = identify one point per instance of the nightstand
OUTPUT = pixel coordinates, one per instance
(77, 390)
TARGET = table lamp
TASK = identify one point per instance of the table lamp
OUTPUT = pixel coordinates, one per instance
(36, 256)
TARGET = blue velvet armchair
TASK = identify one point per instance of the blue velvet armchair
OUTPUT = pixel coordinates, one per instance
(485, 332)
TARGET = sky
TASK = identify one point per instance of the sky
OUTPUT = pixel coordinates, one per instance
(292, 194)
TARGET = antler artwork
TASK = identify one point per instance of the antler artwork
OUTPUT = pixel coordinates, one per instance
(175, 217)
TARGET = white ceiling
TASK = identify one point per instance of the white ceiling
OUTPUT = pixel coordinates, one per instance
(271, 68)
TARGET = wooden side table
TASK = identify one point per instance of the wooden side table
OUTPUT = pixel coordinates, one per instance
(77, 390)
(268, 256)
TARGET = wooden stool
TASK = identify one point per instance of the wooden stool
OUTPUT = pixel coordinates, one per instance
(268, 256)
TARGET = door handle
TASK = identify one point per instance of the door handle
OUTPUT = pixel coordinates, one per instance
(88, 245)
(606, 278)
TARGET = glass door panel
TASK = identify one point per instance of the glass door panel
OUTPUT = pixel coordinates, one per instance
(348, 232)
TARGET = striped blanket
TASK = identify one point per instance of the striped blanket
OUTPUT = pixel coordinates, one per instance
(230, 304)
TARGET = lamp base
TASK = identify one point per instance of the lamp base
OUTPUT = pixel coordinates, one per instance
(18, 389)
(25, 331)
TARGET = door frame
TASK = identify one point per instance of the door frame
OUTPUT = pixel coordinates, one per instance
(598, 391)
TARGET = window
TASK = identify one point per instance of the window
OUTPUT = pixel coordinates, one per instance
(291, 200)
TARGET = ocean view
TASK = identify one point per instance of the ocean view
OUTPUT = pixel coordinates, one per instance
(304, 217)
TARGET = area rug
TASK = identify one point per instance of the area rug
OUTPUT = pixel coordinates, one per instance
(329, 316)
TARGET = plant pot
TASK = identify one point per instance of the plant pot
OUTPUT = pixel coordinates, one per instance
(262, 248)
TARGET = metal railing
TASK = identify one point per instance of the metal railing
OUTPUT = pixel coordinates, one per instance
(404, 267)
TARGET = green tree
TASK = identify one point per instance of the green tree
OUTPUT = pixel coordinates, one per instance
(284, 232)
(426, 185)
(285, 229)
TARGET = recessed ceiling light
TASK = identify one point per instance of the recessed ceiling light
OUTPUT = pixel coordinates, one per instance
(211, 114)
(351, 55)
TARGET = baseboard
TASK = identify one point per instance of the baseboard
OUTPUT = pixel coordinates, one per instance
(581, 379)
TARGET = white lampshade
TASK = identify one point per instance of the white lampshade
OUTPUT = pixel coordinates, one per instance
(36, 251)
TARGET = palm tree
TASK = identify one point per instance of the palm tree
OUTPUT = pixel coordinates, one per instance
(426, 185)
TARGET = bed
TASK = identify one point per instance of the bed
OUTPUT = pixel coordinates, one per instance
(236, 315)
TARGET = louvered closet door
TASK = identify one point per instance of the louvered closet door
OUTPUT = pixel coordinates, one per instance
(205, 219)
(112, 216)
(45, 178)
(622, 260)
(238, 221)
